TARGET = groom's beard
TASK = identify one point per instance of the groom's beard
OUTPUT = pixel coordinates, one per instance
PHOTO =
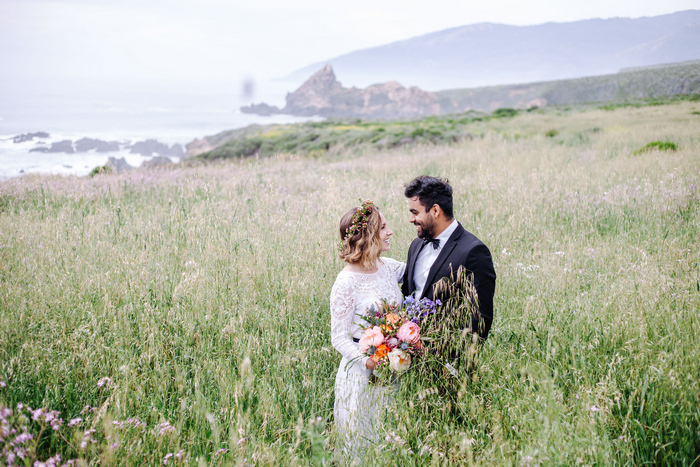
(427, 229)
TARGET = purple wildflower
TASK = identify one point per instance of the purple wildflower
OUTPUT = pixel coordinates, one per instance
(106, 381)
(165, 427)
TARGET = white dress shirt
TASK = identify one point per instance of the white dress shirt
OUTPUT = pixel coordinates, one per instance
(427, 257)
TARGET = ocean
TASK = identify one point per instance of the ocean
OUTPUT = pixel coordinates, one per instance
(125, 116)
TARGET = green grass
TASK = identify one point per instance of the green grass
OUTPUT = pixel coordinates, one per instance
(202, 289)
(658, 146)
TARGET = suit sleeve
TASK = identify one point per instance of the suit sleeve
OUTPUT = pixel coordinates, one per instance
(480, 263)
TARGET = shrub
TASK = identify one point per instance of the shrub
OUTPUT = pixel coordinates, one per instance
(658, 146)
(101, 169)
(552, 133)
(504, 112)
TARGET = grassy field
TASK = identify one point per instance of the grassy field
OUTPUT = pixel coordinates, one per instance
(201, 292)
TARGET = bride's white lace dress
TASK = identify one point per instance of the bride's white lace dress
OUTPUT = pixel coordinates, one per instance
(358, 406)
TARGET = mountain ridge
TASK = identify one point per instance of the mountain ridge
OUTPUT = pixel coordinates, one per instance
(487, 54)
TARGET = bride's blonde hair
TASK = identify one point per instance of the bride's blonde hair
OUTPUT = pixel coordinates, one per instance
(359, 236)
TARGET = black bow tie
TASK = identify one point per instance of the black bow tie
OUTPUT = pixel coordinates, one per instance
(434, 241)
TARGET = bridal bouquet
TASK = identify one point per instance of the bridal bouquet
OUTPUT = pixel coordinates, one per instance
(393, 335)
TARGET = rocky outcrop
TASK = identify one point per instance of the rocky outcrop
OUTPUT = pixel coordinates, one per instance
(156, 161)
(88, 144)
(29, 137)
(117, 165)
(62, 146)
(261, 109)
(152, 147)
(323, 95)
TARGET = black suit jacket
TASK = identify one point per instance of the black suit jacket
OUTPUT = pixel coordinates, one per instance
(461, 249)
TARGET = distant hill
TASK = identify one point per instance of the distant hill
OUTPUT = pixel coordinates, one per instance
(630, 85)
(492, 54)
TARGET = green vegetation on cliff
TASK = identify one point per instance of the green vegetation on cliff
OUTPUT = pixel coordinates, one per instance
(334, 136)
(317, 138)
(630, 85)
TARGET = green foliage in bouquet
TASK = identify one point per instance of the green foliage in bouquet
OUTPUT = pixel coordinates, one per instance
(451, 338)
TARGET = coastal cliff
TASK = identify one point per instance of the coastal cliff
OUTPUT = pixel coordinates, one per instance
(323, 95)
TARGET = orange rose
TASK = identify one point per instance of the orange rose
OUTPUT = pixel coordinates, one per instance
(380, 353)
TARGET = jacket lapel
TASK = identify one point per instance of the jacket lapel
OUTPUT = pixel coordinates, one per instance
(414, 251)
(442, 257)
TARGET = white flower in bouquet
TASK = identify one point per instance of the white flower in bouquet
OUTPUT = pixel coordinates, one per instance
(399, 361)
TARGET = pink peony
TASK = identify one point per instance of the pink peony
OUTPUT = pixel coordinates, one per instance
(392, 342)
(409, 332)
(371, 337)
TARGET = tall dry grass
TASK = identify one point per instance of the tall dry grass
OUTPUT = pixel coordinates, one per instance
(202, 292)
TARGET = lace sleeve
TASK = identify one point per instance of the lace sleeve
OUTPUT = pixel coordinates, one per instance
(396, 268)
(342, 314)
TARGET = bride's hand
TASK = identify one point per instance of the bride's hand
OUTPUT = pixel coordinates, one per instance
(371, 364)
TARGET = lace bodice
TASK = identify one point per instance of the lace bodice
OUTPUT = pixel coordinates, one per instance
(352, 294)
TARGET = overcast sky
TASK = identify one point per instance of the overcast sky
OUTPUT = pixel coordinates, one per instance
(223, 41)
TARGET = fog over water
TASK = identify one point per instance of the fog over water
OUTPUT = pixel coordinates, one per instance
(126, 115)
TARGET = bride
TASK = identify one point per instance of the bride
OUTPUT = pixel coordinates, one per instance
(365, 281)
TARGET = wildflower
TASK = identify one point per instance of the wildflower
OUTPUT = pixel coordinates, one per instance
(165, 428)
(87, 438)
(75, 421)
(220, 452)
(2, 384)
(106, 381)
(243, 441)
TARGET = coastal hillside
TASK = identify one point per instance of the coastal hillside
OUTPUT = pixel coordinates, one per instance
(629, 85)
(334, 137)
(493, 54)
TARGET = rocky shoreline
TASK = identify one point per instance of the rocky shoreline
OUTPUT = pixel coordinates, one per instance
(153, 152)
(147, 148)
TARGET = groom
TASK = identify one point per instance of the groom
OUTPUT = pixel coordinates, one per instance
(443, 246)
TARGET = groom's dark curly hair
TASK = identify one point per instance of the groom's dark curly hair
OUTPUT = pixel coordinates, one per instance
(431, 191)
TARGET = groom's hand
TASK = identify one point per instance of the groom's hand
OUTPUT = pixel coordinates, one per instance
(371, 364)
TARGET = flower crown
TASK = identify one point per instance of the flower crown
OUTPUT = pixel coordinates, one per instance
(359, 221)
